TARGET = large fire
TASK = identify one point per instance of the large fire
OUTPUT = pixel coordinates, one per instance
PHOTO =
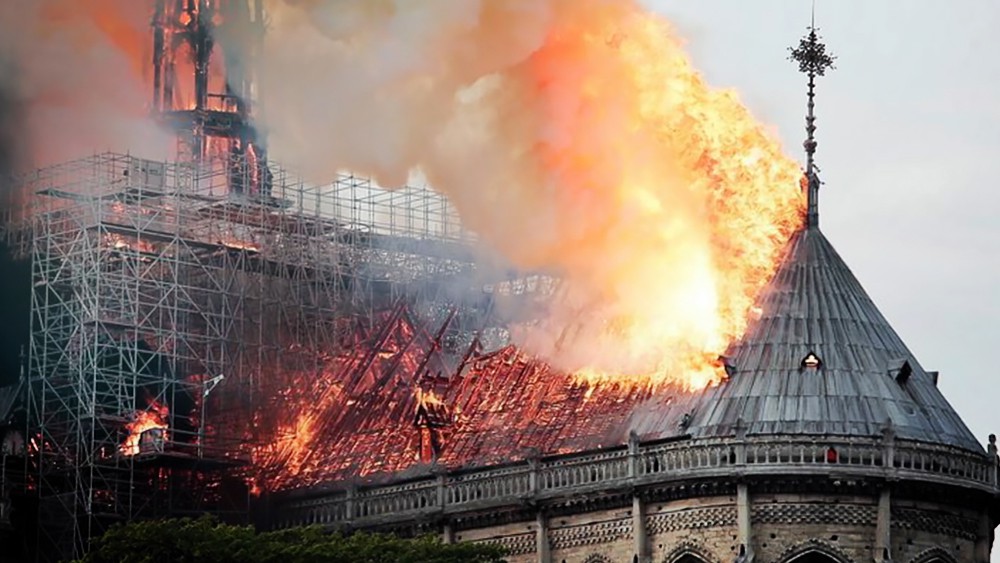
(575, 136)
(587, 145)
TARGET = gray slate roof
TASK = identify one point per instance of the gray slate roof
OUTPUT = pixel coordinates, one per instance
(815, 304)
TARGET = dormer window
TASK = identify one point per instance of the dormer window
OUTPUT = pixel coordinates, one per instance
(901, 370)
(727, 365)
(811, 361)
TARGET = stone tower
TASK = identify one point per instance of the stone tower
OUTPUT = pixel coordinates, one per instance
(829, 442)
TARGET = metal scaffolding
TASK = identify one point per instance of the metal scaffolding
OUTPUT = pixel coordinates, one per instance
(153, 283)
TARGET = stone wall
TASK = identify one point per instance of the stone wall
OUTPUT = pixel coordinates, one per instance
(519, 539)
(783, 527)
(702, 526)
(606, 533)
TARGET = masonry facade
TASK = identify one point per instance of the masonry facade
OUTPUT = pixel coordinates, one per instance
(747, 499)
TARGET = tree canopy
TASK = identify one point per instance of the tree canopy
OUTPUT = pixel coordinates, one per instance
(207, 540)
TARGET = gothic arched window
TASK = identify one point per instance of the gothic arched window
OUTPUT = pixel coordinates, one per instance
(688, 552)
(814, 557)
(685, 556)
(814, 551)
(934, 555)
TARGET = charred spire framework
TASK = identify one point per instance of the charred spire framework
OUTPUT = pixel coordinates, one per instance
(203, 87)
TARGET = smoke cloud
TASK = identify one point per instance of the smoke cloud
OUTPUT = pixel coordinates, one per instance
(572, 135)
(71, 81)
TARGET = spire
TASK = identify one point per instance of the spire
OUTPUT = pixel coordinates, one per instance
(813, 61)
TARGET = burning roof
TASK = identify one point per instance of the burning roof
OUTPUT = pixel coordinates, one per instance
(489, 409)
(505, 405)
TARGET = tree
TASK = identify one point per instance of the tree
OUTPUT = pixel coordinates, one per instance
(206, 540)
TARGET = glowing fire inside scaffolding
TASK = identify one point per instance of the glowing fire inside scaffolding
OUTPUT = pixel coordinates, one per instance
(148, 426)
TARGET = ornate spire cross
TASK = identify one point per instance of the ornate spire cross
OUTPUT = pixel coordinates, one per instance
(814, 60)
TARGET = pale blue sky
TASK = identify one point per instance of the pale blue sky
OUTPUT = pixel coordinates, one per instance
(909, 144)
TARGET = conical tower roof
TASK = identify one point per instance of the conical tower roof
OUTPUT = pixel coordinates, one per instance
(822, 360)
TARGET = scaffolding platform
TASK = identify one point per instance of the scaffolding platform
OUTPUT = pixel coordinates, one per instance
(156, 288)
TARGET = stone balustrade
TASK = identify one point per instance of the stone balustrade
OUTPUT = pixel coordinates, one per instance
(636, 466)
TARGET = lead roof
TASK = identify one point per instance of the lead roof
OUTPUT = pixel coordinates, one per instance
(816, 304)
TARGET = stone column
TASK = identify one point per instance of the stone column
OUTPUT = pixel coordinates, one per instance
(639, 537)
(743, 526)
(351, 504)
(984, 539)
(633, 455)
(447, 533)
(984, 543)
(995, 470)
(542, 550)
(883, 526)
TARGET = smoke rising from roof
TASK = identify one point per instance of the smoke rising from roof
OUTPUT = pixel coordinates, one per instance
(72, 81)
(572, 135)
(11, 125)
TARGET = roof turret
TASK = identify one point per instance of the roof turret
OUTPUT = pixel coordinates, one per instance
(820, 358)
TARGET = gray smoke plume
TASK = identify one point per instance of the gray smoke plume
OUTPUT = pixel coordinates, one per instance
(71, 81)
(12, 129)
(574, 136)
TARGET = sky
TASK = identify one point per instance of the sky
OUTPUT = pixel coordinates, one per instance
(909, 147)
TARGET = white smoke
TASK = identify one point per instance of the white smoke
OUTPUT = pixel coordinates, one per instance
(75, 74)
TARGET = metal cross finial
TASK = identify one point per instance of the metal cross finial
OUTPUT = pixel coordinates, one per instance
(814, 60)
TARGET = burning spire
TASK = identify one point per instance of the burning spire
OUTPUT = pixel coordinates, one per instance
(814, 60)
(203, 84)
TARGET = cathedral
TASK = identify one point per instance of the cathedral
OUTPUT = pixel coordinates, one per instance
(828, 442)
(162, 292)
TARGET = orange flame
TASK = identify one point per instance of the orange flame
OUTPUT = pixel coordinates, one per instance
(677, 203)
(427, 398)
(154, 417)
(587, 146)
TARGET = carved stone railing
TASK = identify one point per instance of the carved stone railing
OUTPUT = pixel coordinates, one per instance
(641, 465)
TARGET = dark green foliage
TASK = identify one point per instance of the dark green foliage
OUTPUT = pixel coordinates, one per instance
(206, 540)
